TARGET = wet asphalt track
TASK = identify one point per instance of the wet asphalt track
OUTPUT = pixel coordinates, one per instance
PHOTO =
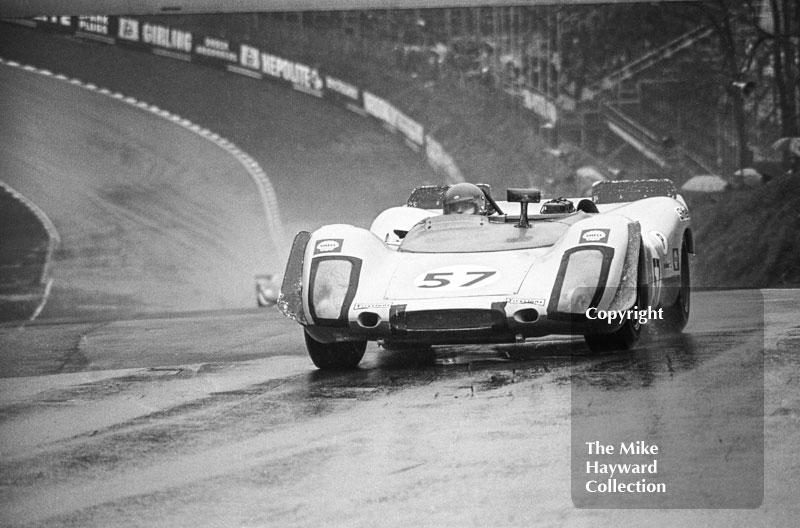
(136, 424)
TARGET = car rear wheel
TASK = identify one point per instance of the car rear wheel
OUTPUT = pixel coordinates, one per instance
(335, 356)
(677, 315)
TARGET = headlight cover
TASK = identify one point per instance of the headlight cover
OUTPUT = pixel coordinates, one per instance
(332, 288)
(581, 280)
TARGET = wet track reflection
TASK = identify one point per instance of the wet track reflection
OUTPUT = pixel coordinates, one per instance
(656, 355)
(241, 427)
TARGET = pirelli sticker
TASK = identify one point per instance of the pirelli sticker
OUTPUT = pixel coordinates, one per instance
(594, 236)
(329, 245)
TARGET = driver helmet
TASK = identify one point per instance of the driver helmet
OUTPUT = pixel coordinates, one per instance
(464, 198)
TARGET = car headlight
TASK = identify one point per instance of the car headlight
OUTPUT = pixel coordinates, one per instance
(332, 288)
(581, 279)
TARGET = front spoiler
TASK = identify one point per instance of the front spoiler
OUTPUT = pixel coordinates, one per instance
(499, 323)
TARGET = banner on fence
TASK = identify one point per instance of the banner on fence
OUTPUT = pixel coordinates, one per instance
(248, 59)
(441, 160)
(301, 76)
(216, 49)
(412, 130)
(341, 88)
(381, 110)
(94, 24)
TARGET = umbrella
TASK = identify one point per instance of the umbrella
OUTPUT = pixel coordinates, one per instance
(590, 173)
(587, 176)
(707, 183)
(788, 144)
(747, 172)
(749, 176)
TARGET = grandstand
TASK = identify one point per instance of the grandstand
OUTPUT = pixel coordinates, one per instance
(638, 87)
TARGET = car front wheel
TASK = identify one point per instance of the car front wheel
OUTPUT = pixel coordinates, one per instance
(335, 356)
(628, 334)
(623, 339)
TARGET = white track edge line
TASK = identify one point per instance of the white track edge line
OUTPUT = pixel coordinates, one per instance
(53, 240)
(265, 187)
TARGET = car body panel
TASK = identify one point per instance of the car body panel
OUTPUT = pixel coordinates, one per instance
(419, 277)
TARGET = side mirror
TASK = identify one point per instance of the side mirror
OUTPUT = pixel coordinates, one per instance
(524, 195)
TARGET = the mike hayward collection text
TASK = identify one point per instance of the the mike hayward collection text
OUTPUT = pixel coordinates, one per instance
(605, 474)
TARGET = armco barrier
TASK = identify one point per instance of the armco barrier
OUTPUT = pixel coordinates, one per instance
(247, 59)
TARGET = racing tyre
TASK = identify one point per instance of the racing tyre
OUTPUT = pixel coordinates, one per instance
(335, 356)
(622, 339)
(677, 315)
(628, 334)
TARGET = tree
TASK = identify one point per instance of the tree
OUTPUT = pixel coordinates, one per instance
(779, 26)
(747, 30)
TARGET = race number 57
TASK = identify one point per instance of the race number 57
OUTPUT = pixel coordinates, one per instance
(457, 277)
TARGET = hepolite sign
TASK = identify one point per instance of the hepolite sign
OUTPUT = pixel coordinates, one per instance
(301, 76)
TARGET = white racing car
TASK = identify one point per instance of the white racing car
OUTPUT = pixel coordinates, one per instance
(267, 289)
(506, 271)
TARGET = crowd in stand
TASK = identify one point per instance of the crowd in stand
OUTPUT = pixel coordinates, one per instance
(556, 51)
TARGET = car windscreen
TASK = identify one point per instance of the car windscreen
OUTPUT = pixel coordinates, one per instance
(475, 233)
